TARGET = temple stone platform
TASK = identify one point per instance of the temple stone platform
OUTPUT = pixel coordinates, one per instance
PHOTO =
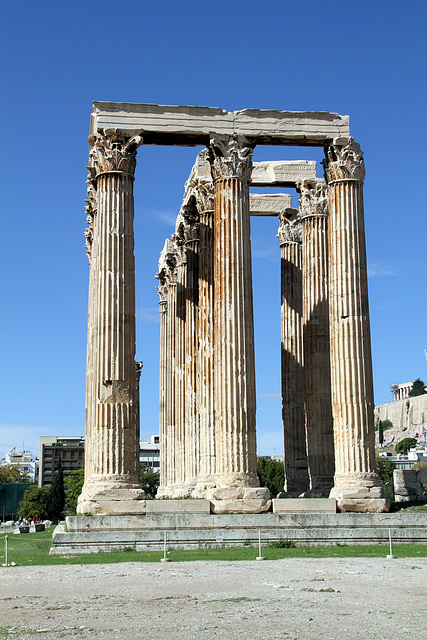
(195, 527)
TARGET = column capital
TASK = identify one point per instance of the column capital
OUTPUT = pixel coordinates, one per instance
(290, 230)
(90, 211)
(344, 161)
(112, 153)
(138, 369)
(314, 198)
(231, 157)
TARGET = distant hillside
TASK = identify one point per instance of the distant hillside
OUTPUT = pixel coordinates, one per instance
(409, 418)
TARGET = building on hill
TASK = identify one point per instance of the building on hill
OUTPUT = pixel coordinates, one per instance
(401, 391)
(408, 416)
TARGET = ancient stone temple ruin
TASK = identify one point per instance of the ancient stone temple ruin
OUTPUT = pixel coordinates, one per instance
(207, 369)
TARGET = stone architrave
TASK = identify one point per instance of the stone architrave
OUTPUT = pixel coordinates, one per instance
(293, 417)
(234, 368)
(313, 205)
(357, 485)
(111, 483)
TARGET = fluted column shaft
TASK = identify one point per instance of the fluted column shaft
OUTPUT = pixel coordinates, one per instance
(170, 476)
(317, 376)
(293, 417)
(163, 380)
(110, 451)
(357, 485)
(180, 352)
(205, 382)
(192, 443)
(234, 372)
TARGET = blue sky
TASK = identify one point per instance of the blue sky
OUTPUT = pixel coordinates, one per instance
(364, 59)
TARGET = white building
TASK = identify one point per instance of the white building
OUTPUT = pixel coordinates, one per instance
(149, 452)
(25, 460)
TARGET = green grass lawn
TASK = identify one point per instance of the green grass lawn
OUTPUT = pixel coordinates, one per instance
(33, 549)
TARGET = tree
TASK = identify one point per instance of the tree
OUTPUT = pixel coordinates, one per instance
(385, 470)
(12, 473)
(73, 488)
(404, 445)
(381, 433)
(149, 479)
(271, 474)
(418, 388)
(35, 503)
(57, 494)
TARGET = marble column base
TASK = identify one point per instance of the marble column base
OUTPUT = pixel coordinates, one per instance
(359, 492)
(239, 499)
(111, 495)
(202, 486)
(163, 493)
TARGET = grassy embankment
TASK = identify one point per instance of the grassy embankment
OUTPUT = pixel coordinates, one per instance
(33, 549)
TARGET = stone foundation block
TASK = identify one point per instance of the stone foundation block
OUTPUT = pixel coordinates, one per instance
(177, 506)
(304, 505)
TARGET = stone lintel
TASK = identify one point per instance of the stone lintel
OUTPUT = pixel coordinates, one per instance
(271, 204)
(191, 125)
(282, 173)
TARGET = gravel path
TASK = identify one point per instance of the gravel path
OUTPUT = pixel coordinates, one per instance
(296, 599)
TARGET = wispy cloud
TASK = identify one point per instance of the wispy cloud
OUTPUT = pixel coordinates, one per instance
(165, 217)
(381, 268)
(269, 395)
(264, 252)
(149, 314)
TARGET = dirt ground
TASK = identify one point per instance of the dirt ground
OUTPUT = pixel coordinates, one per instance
(296, 599)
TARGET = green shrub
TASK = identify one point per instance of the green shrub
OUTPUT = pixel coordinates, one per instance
(404, 445)
(283, 543)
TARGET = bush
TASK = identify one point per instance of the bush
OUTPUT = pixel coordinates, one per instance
(271, 474)
(35, 503)
(73, 488)
(404, 445)
(385, 470)
(418, 466)
(283, 543)
(149, 480)
(11, 474)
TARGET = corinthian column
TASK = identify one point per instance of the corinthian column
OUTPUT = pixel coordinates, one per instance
(234, 369)
(191, 345)
(166, 304)
(357, 484)
(205, 382)
(293, 418)
(111, 484)
(313, 205)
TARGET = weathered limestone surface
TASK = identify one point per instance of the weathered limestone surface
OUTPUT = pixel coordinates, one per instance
(304, 505)
(111, 483)
(229, 460)
(408, 485)
(271, 204)
(409, 414)
(286, 173)
(357, 484)
(167, 294)
(190, 530)
(164, 124)
(234, 368)
(293, 416)
(317, 377)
